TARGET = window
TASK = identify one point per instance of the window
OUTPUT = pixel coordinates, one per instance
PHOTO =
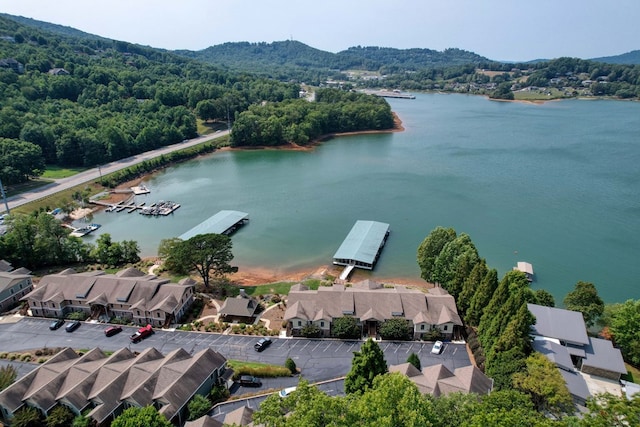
(299, 323)
(422, 327)
(322, 324)
(11, 290)
(445, 327)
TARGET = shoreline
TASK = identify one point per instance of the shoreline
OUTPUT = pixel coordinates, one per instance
(255, 276)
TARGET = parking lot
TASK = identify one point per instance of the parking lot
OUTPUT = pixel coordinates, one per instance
(318, 359)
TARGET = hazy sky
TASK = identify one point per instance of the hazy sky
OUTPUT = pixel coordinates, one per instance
(497, 29)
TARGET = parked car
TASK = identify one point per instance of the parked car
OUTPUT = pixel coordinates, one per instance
(72, 326)
(249, 381)
(286, 391)
(112, 330)
(262, 344)
(437, 347)
(56, 324)
(141, 334)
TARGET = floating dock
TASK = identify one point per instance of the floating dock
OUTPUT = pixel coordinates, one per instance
(363, 245)
(224, 222)
(160, 208)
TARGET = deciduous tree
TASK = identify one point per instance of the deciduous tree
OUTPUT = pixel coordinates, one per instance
(395, 329)
(208, 254)
(430, 248)
(345, 327)
(585, 299)
(136, 417)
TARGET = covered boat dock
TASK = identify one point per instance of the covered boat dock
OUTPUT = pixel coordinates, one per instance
(362, 246)
(224, 222)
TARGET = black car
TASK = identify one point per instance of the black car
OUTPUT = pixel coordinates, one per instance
(249, 381)
(75, 324)
(56, 324)
(262, 344)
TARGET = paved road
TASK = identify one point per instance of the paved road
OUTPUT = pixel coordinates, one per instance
(92, 174)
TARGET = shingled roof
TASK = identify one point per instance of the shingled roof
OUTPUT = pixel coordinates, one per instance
(107, 381)
(369, 300)
(438, 380)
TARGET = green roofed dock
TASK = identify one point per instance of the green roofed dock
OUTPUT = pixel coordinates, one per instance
(224, 222)
(362, 246)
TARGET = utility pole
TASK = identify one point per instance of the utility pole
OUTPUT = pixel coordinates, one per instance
(4, 197)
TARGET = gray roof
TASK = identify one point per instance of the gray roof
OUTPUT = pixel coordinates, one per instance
(558, 323)
(601, 354)
(218, 224)
(363, 241)
(204, 421)
(576, 384)
(555, 352)
(239, 306)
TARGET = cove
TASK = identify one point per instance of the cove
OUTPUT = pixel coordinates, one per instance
(553, 184)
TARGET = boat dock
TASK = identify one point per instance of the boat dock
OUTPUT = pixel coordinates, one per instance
(362, 246)
(160, 208)
(224, 222)
(392, 94)
(526, 268)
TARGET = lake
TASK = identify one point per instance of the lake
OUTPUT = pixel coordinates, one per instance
(554, 184)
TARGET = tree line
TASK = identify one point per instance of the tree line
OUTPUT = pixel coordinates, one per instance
(81, 102)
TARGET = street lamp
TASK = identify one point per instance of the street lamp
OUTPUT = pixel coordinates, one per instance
(4, 197)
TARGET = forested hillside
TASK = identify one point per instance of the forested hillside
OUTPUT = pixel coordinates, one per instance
(82, 101)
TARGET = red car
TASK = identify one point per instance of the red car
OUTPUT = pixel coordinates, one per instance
(112, 330)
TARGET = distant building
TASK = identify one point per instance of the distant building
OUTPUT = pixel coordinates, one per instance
(371, 304)
(12, 64)
(103, 386)
(129, 294)
(14, 284)
(58, 72)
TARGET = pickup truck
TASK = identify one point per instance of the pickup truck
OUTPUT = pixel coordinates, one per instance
(141, 334)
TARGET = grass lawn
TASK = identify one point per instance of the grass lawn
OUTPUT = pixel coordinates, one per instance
(263, 370)
(205, 128)
(57, 200)
(280, 288)
(633, 374)
(57, 172)
(539, 96)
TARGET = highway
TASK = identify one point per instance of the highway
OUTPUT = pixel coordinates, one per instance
(95, 173)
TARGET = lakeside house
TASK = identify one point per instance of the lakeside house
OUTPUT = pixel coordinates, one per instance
(588, 365)
(104, 386)
(371, 304)
(129, 294)
(14, 284)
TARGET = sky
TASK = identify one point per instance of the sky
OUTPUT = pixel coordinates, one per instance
(506, 30)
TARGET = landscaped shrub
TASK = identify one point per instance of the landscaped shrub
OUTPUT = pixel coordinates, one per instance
(78, 315)
(432, 335)
(395, 329)
(269, 371)
(291, 365)
(311, 331)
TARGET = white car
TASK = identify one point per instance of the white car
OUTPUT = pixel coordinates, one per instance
(286, 391)
(437, 347)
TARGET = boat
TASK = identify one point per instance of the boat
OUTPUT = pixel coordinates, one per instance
(83, 231)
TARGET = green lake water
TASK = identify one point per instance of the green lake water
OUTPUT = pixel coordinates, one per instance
(556, 185)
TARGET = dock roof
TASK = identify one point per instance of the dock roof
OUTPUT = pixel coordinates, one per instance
(363, 241)
(218, 223)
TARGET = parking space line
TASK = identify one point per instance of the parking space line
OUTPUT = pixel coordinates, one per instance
(338, 347)
(314, 348)
(304, 346)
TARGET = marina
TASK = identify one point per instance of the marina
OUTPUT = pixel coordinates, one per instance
(162, 208)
